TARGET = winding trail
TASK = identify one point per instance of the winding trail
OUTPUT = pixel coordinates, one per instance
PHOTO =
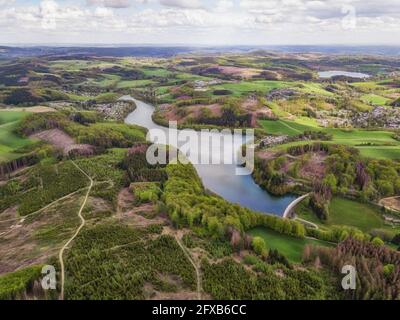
(306, 222)
(198, 275)
(22, 218)
(83, 221)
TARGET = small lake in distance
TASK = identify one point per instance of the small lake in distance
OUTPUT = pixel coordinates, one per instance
(334, 73)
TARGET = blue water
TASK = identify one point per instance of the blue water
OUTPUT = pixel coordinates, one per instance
(220, 179)
(330, 74)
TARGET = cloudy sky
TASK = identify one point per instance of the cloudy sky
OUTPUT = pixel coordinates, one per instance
(218, 22)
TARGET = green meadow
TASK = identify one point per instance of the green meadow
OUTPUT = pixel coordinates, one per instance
(351, 213)
(245, 87)
(374, 144)
(133, 83)
(157, 72)
(109, 80)
(265, 86)
(77, 65)
(291, 247)
(374, 99)
(9, 140)
(345, 212)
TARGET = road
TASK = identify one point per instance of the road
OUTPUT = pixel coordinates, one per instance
(198, 275)
(291, 206)
(76, 232)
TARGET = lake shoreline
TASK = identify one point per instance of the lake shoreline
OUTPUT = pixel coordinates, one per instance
(221, 179)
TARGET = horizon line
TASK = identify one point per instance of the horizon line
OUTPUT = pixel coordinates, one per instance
(60, 44)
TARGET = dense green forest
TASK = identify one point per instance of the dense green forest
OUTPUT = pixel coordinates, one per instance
(115, 262)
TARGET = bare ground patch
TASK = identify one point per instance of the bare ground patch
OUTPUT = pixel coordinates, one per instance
(195, 110)
(33, 240)
(141, 216)
(137, 216)
(245, 73)
(125, 200)
(97, 208)
(266, 155)
(391, 203)
(62, 141)
(172, 113)
(181, 295)
(315, 166)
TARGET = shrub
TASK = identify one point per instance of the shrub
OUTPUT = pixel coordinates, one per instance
(377, 242)
(16, 283)
(259, 246)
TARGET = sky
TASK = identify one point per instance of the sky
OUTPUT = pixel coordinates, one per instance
(200, 22)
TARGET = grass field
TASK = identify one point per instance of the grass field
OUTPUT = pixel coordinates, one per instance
(157, 72)
(109, 80)
(264, 86)
(291, 247)
(374, 99)
(133, 83)
(244, 87)
(283, 127)
(345, 212)
(356, 214)
(367, 85)
(77, 65)
(314, 88)
(10, 116)
(9, 141)
(76, 97)
(373, 144)
(189, 76)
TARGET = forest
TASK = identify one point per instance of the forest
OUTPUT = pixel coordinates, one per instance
(156, 231)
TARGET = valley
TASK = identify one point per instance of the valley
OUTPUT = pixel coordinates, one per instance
(78, 193)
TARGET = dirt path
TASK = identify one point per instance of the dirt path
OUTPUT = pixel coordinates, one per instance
(311, 224)
(198, 275)
(76, 233)
(22, 218)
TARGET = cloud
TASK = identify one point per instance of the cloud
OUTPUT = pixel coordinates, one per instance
(185, 4)
(188, 21)
(4, 3)
(224, 5)
(102, 12)
(117, 4)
